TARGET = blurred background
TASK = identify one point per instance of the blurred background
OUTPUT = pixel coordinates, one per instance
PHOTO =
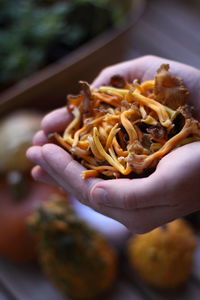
(46, 47)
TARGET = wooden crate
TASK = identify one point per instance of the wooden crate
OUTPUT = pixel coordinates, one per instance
(47, 89)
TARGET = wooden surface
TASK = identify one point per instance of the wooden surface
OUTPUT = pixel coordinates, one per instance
(169, 29)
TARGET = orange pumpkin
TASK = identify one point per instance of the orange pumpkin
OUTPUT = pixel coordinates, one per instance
(17, 201)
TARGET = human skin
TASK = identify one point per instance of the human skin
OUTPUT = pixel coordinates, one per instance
(170, 192)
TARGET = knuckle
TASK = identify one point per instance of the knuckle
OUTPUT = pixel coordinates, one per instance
(127, 200)
(68, 166)
(130, 200)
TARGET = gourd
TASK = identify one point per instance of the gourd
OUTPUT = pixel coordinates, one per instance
(16, 133)
(163, 257)
(77, 259)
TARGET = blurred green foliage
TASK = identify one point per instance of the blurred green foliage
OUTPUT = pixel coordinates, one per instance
(34, 33)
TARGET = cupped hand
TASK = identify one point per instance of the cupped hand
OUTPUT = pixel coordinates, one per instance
(172, 191)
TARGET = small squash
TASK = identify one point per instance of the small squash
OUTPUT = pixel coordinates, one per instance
(77, 259)
(16, 133)
(164, 256)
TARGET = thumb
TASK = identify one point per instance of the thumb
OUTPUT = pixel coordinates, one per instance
(130, 193)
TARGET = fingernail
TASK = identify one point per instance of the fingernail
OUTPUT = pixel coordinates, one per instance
(34, 154)
(100, 196)
(29, 153)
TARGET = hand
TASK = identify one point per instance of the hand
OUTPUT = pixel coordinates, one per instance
(142, 204)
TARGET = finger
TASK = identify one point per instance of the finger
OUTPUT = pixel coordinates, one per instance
(40, 138)
(56, 121)
(39, 174)
(141, 220)
(131, 193)
(70, 171)
(122, 69)
(35, 155)
(144, 68)
(61, 166)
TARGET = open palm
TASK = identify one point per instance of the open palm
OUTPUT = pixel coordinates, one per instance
(141, 204)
